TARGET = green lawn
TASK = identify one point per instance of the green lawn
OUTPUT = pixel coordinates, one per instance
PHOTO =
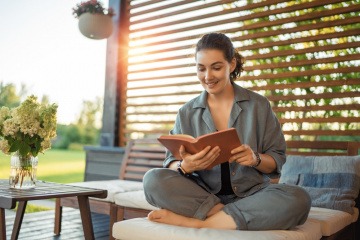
(62, 166)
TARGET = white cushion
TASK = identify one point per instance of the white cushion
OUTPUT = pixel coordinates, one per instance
(143, 229)
(134, 199)
(112, 186)
(332, 221)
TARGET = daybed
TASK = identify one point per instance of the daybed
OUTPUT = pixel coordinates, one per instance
(333, 183)
(126, 200)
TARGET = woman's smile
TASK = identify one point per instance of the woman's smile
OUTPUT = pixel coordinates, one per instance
(211, 84)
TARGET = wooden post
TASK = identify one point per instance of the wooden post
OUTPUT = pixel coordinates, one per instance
(115, 76)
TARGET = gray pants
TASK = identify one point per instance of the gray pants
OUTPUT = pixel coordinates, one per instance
(275, 207)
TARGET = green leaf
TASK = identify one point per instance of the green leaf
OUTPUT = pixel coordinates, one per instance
(14, 146)
(24, 149)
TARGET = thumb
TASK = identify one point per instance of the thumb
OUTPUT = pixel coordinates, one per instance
(182, 151)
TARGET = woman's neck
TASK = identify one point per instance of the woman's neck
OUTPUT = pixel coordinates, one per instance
(220, 106)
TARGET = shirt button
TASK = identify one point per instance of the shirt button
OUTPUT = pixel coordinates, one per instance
(233, 173)
(235, 189)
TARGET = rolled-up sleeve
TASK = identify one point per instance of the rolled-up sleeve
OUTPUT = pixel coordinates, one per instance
(274, 142)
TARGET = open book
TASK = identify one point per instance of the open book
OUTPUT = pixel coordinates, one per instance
(226, 139)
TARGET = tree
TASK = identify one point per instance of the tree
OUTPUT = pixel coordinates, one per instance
(9, 96)
(89, 121)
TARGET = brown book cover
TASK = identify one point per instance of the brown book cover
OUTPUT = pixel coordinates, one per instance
(226, 139)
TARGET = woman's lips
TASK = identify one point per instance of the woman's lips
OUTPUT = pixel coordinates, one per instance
(211, 84)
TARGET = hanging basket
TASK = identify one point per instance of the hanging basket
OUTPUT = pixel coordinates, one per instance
(95, 26)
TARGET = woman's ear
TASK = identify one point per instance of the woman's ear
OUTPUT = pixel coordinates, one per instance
(233, 65)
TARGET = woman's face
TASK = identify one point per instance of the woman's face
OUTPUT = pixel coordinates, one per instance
(213, 70)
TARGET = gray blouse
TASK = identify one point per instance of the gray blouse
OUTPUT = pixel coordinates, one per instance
(256, 125)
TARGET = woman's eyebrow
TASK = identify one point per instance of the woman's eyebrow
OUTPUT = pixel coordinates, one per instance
(219, 62)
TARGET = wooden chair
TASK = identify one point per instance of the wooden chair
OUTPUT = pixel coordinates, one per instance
(140, 156)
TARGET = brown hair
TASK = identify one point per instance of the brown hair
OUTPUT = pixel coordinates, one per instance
(221, 42)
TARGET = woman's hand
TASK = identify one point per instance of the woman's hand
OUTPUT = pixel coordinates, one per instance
(243, 155)
(200, 160)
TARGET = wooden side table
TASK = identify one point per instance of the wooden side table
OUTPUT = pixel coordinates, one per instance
(45, 190)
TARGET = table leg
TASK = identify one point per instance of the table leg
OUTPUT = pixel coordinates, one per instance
(18, 219)
(84, 207)
(2, 224)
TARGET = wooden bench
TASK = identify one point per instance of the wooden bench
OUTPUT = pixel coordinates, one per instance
(139, 157)
(144, 154)
(322, 148)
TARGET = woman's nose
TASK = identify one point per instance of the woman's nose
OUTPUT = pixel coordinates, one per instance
(208, 75)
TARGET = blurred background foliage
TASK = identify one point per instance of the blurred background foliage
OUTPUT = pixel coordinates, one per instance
(84, 131)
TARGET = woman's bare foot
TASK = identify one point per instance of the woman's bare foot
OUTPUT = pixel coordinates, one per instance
(168, 217)
(219, 220)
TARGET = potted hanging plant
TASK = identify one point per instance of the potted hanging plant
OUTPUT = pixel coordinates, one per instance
(25, 131)
(94, 20)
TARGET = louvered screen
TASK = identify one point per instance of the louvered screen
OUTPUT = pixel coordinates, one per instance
(303, 55)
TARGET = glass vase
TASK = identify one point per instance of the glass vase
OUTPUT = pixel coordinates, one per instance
(23, 171)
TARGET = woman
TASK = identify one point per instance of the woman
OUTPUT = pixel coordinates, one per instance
(236, 194)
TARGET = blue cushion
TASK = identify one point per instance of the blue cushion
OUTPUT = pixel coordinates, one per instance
(332, 181)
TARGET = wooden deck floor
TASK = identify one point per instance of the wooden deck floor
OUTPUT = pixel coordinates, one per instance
(40, 226)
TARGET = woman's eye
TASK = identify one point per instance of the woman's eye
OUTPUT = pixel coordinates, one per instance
(201, 69)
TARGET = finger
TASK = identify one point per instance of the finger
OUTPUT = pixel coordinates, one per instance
(202, 153)
(237, 157)
(209, 158)
(182, 151)
(239, 149)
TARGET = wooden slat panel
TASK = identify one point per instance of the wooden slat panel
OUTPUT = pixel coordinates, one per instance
(315, 96)
(264, 24)
(317, 43)
(263, 76)
(149, 112)
(145, 155)
(338, 145)
(137, 169)
(255, 35)
(301, 74)
(304, 153)
(255, 67)
(271, 98)
(203, 6)
(154, 104)
(276, 108)
(159, 122)
(308, 84)
(133, 177)
(280, 53)
(323, 132)
(283, 120)
(148, 163)
(321, 120)
(322, 148)
(317, 108)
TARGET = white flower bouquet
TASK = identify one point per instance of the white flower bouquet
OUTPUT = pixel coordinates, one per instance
(27, 130)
